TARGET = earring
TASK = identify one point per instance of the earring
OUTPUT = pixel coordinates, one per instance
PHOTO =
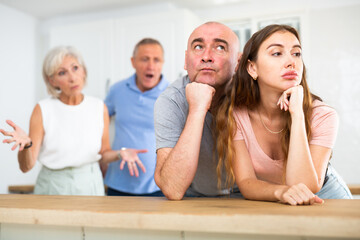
(255, 78)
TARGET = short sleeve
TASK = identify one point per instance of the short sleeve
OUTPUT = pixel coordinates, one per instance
(324, 126)
(109, 102)
(239, 134)
(169, 121)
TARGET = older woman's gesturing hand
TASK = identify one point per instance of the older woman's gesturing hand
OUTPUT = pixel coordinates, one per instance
(18, 136)
(130, 156)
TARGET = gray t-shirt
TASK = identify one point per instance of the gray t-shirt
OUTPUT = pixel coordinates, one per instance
(170, 113)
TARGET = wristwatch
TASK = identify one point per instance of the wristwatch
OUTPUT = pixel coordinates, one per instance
(118, 153)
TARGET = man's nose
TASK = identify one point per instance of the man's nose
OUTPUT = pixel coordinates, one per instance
(150, 64)
(207, 56)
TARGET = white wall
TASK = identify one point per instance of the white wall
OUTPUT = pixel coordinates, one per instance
(17, 87)
(334, 72)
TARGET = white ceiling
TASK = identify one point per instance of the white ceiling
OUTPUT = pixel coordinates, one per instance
(45, 9)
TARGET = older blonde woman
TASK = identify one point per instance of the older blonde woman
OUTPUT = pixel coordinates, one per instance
(68, 131)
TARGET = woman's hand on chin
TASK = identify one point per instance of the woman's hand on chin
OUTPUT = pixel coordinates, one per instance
(292, 100)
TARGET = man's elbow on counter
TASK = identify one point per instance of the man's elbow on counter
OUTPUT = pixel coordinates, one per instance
(175, 196)
(169, 193)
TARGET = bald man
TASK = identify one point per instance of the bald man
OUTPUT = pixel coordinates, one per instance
(186, 165)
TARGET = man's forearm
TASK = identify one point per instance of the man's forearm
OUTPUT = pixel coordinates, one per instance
(179, 167)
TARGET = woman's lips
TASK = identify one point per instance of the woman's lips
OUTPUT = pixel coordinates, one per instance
(290, 75)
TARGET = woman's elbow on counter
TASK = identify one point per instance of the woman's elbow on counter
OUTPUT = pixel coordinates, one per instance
(315, 188)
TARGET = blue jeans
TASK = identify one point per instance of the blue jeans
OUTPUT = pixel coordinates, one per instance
(114, 192)
(334, 187)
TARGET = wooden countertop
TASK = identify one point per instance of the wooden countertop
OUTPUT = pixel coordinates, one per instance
(336, 218)
(354, 188)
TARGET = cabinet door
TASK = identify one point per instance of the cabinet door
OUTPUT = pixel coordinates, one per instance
(94, 40)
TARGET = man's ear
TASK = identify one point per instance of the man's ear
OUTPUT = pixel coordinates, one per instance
(238, 61)
(132, 62)
(239, 56)
(252, 70)
(185, 67)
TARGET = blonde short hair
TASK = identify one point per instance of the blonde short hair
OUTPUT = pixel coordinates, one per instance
(52, 62)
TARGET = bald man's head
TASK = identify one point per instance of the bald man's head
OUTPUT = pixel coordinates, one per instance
(232, 37)
(212, 54)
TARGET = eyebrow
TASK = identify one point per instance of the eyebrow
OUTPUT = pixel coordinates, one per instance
(73, 64)
(221, 40)
(280, 45)
(197, 40)
(201, 40)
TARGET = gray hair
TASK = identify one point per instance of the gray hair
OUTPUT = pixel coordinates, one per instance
(146, 41)
(52, 62)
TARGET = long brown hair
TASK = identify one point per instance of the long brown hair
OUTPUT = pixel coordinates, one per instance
(243, 91)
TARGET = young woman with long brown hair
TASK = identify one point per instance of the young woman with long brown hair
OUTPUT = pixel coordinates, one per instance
(275, 137)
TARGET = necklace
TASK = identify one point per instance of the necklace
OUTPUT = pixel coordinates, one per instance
(270, 131)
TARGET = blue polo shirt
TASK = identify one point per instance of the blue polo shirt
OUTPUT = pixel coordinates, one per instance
(134, 128)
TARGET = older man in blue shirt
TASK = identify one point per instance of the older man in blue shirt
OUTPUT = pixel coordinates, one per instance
(132, 101)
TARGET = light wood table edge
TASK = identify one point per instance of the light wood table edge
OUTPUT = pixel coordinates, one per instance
(354, 189)
(237, 224)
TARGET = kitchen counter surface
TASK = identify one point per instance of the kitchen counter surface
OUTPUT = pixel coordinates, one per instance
(334, 218)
